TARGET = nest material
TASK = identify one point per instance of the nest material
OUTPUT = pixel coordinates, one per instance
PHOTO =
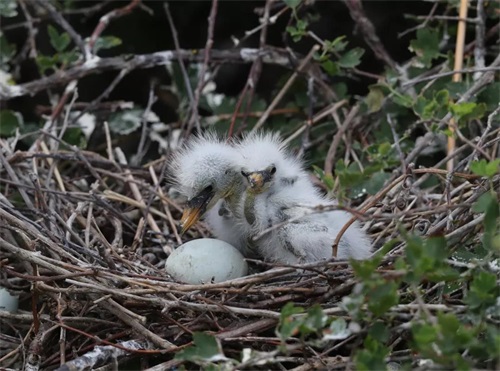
(84, 241)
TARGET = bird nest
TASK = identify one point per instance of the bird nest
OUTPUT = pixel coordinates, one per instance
(84, 240)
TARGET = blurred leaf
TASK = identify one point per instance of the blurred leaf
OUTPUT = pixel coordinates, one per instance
(106, 42)
(125, 122)
(375, 99)
(330, 67)
(337, 45)
(376, 182)
(46, 63)
(372, 357)
(485, 168)
(292, 3)
(289, 326)
(7, 51)
(468, 110)
(8, 8)
(75, 137)
(337, 330)
(382, 296)
(352, 58)
(379, 331)
(314, 321)
(426, 45)
(9, 122)
(58, 41)
(206, 347)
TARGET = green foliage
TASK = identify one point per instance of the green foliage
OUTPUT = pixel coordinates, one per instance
(372, 357)
(7, 51)
(8, 8)
(126, 122)
(485, 168)
(352, 58)
(58, 41)
(9, 122)
(206, 349)
(426, 45)
(106, 42)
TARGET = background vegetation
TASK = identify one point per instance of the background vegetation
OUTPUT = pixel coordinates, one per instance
(395, 107)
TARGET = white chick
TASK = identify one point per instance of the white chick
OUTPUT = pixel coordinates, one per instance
(207, 172)
(279, 190)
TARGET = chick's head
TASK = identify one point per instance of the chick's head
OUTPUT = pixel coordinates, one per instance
(267, 161)
(205, 171)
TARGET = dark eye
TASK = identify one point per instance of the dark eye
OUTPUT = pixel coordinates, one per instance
(226, 172)
(273, 170)
(209, 188)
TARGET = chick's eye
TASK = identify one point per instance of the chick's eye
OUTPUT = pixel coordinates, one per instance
(210, 188)
(273, 170)
(226, 172)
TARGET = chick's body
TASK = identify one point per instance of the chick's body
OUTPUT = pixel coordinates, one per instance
(285, 200)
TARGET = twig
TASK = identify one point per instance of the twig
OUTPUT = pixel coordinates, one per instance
(244, 55)
(285, 88)
(459, 58)
(201, 79)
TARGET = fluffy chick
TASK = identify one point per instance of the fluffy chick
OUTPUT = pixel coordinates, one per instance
(207, 171)
(279, 191)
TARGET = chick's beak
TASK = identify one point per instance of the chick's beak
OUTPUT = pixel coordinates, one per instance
(256, 179)
(195, 209)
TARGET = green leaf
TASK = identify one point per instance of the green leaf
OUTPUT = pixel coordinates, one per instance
(58, 41)
(337, 45)
(374, 99)
(106, 42)
(314, 321)
(483, 290)
(330, 67)
(337, 330)
(468, 110)
(289, 326)
(352, 58)
(382, 297)
(8, 8)
(292, 3)
(372, 357)
(485, 168)
(45, 63)
(425, 108)
(484, 203)
(426, 45)
(206, 347)
(125, 122)
(379, 331)
(9, 122)
(7, 51)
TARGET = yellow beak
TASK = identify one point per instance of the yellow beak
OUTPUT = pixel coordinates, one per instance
(189, 217)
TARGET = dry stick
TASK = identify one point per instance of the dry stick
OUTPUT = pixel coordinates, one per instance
(385, 190)
(329, 110)
(269, 55)
(368, 30)
(138, 197)
(285, 88)
(166, 208)
(457, 77)
(201, 82)
(330, 157)
(13, 175)
(479, 49)
(175, 38)
(105, 19)
(256, 70)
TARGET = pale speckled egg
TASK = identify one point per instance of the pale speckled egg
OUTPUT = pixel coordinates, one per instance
(206, 260)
